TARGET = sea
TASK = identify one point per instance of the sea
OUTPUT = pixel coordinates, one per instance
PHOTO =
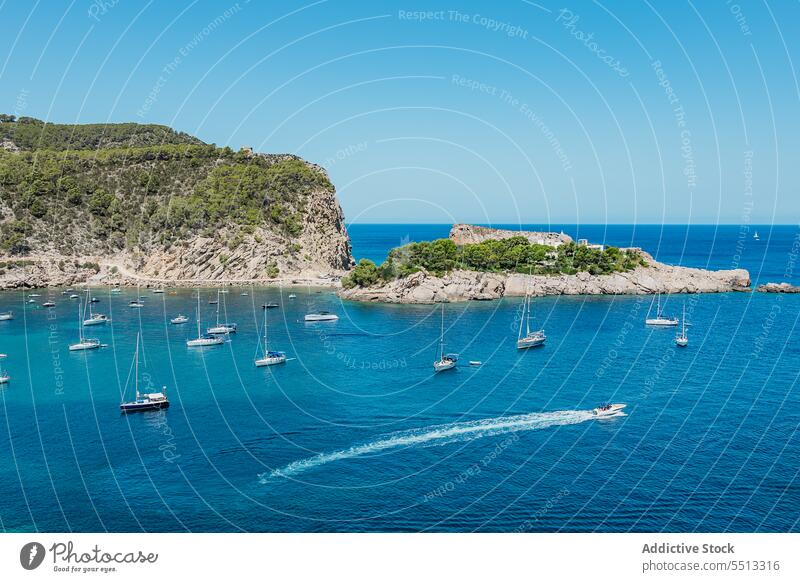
(355, 433)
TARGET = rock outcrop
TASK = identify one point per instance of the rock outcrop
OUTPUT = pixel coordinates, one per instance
(778, 288)
(423, 287)
(463, 234)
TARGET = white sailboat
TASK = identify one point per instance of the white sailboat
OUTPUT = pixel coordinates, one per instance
(221, 328)
(660, 320)
(755, 235)
(136, 303)
(445, 361)
(94, 318)
(151, 401)
(179, 319)
(4, 377)
(270, 357)
(84, 343)
(531, 339)
(203, 340)
(682, 340)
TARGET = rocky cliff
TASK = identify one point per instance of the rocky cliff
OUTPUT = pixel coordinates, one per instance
(463, 234)
(166, 208)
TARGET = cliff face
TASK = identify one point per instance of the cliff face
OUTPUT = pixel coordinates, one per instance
(178, 212)
(463, 234)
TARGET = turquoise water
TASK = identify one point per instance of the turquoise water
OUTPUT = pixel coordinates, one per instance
(355, 433)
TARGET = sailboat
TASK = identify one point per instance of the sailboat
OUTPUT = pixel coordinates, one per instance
(755, 235)
(445, 361)
(4, 377)
(660, 319)
(221, 328)
(179, 319)
(94, 318)
(83, 342)
(270, 358)
(152, 401)
(682, 340)
(531, 339)
(136, 303)
(203, 340)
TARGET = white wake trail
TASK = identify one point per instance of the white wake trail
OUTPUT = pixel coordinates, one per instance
(438, 435)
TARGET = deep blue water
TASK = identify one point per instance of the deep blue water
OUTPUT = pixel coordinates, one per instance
(710, 441)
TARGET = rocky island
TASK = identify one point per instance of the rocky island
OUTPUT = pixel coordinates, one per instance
(130, 203)
(477, 263)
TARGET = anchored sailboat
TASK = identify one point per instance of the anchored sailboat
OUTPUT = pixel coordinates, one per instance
(660, 320)
(151, 401)
(94, 318)
(531, 339)
(84, 343)
(445, 361)
(221, 328)
(682, 340)
(203, 340)
(4, 377)
(270, 358)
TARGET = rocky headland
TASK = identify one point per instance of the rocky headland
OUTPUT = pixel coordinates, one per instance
(778, 288)
(647, 277)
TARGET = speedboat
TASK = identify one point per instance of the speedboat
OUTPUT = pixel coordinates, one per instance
(96, 319)
(607, 409)
(270, 306)
(475, 363)
(271, 358)
(178, 320)
(7, 316)
(34, 295)
(136, 304)
(73, 296)
(321, 316)
(48, 304)
(158, 291)
(116, 290)
(85, 344)
(292, 296)
(31, 300)
(95, 300)
(244, 293)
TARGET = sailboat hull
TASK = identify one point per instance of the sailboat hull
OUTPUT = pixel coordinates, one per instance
(530, 342)
(143, 406)
(272, 361)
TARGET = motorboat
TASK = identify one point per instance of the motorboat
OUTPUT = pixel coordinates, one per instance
(607, 409)
(321, 316)
(7, 316)
(179, 319)
(96, 319)
(292, 296)
(73, 296)
(143, 402)
(270, 306)
(48, 304)
(157, 291)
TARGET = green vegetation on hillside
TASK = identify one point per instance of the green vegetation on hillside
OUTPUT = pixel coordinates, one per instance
(30, 134)
(514, 254)
(134, 197)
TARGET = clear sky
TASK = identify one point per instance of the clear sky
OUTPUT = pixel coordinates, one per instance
(429, 111)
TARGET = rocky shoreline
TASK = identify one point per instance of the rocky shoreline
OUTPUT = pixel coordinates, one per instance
(778, 288)
(423, 287)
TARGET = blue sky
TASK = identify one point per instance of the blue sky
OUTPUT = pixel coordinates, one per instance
(530, 112)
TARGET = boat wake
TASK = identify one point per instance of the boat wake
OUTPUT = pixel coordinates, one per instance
(437, 435)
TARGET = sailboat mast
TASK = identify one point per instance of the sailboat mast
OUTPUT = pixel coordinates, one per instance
(217, 307)
(441, 337)
(136, 368)
(198, 313)
(265, 332)
(528, 316)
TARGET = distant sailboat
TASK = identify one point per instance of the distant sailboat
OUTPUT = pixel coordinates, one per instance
(137, 303)
(531, 339)
(4, 377)
(682, 340)
(83, 342)
(755, 235)
(179, 319)
(270, 358)
(660, 320)
(203, 340)
(221, 328)
(445, 361)
(7, 316)
(152, 401)
(94, 318)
